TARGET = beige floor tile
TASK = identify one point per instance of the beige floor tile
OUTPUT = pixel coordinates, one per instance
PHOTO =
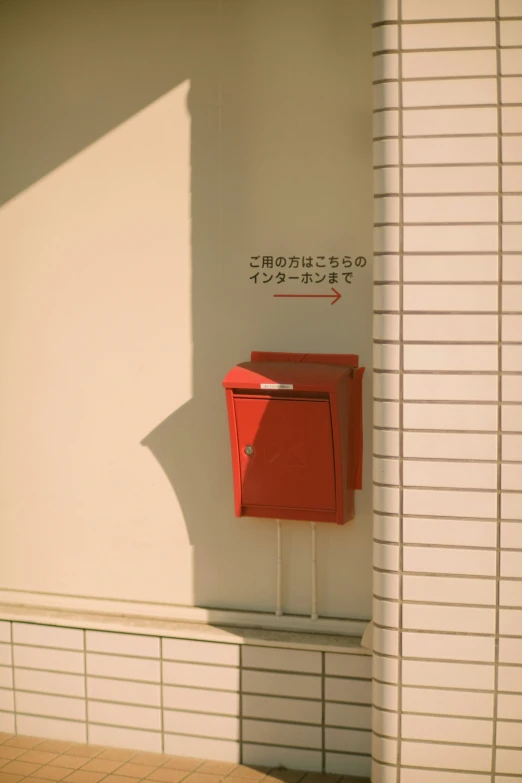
(167, 775)
(115, 754)
(254, 773)
(4, 736)
(34, 779)
(89, 751)
(70, 762)
(79, 776)
(55, 746)
(50, 772)
(201, 777)
(5, 778)
(217, 767)
(20, 768)
(23, 742)
(136, 770)
(182, 762)
(3, 762)
(155, 759)
(120, 779)
(101, 765)
(37, 756)
(245, 780)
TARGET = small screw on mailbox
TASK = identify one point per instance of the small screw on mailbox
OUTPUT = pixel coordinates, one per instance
(249, 450)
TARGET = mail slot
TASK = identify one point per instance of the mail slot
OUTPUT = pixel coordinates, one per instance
(296, 435)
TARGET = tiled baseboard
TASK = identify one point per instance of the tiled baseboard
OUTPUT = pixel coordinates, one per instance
(249, 702)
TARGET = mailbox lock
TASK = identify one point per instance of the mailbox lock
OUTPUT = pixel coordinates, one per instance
(249, 450)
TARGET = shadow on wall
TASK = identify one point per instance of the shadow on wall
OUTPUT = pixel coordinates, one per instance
(277, 89)
(120, 56)
(294, 178)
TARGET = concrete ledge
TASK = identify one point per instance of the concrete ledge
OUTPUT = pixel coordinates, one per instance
(182, 629)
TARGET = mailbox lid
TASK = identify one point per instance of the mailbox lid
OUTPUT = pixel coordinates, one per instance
(292, 465)
(286, 375)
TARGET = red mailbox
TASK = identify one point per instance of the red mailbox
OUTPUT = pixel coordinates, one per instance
(296, 435)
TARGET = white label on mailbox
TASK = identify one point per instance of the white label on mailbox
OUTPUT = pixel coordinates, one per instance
(276, 386)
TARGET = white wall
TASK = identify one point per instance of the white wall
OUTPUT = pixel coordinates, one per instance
(147, 151)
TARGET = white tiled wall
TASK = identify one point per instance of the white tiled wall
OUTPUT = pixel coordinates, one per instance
(257, 704)
(448, 459)
(123, 685)
(7, 722)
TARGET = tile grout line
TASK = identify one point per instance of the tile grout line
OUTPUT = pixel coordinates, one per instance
(455, 195)
(464, 77)
(449, 20)
(339, 678)
(452, 575)
(218, 666)
(499, 394)
(464, 373)
(437, 165)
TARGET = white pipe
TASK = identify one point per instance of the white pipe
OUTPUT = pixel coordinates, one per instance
(279, 605)
(314, 573)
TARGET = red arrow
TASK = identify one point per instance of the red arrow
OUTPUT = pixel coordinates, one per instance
(334, 297)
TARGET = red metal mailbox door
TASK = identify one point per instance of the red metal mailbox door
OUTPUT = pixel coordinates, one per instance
(286, 452)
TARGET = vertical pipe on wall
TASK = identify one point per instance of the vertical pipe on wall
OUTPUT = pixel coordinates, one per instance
(279, 605)
(314, 572)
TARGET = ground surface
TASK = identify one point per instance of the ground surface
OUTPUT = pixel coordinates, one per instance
(38, 760)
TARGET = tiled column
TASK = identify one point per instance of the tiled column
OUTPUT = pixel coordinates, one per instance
(448, 391)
